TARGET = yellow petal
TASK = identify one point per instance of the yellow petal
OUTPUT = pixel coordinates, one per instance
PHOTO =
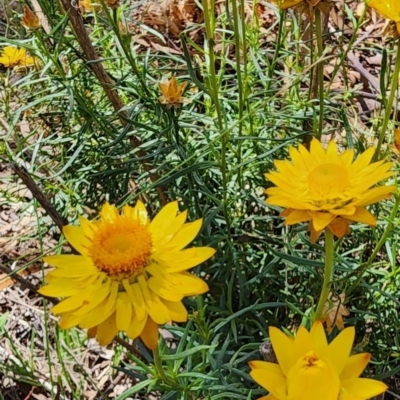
(149, 334)
(271, 379)
(303, 342)
(376, 194)
(390, 10)
(297, 216)
(123, 312)
(362, 215)
(177, 310)
(164, 217)
(332, 153)
(339, 349)
(87, 227)
(283, 347)
(72, 303)
(187, 258)
(68, 321)
(163, 237)
(190, 285)
(139, 212)
(137, 300)
(106, 331)
(321, 220)
(319, 337)
(339, 227)
(164, 289)
(154, 307)
(77, 239)
(362, 161)
(61, 287)
(355, 365)
(136, 327)
(186, 235)
(99, 294)
(317, 151)
(109, 212)
(98, 315)
(363, 387)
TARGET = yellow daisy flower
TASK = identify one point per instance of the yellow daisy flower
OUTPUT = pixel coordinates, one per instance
(131, 275)
(13, 57)
(311, 369)
(390, 9)
(327, 188)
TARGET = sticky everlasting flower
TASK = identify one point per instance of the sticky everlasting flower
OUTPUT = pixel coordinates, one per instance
(29, 19)
(390, 9)
(172, 93)
(14, 57)
(131, 275)
(311, 369)
(327, 188)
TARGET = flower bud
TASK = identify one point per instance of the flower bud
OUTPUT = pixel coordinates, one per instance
(29, 19)
(112, 3)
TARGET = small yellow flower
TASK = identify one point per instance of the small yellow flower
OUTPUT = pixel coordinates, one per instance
(311, 369)
(172, 93)
(334, 311)
(14, 57)
(390, 9)
(131, 275)
(29, 19)
(327, 188)
(87, 6)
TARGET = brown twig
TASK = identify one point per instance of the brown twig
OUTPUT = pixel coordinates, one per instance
(107, 84)
(39, 196)
(17, 278)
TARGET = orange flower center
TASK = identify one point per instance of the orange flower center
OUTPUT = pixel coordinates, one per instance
(328, 180)
(121, 248)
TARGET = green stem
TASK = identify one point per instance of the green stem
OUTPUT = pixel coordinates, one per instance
(320, 47)
(326, 286)
(363, 267)
(389, 104)
(159, 368)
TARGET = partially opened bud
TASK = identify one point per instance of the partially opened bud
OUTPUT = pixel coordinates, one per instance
(123, 30)
(112, 3)
(29, 19)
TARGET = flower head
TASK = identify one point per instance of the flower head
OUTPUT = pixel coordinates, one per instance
(29, 19)
(327, 188)
(131, 275)
(390, 9)
(15, 57)
(311, 369)
(172, 93)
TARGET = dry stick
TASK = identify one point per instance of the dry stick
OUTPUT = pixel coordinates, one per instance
(107, 84)
(39, 196)
(60, 222)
